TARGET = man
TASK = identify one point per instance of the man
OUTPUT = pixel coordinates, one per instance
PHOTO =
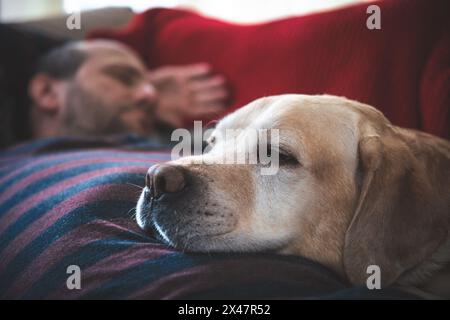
(101, 87)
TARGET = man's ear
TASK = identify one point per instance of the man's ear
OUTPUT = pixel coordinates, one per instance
(399, 220)
(44, 93)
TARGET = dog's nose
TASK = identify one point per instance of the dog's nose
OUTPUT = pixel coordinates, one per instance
(163, 178)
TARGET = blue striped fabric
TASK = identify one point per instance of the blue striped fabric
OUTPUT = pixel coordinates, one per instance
(67, 201)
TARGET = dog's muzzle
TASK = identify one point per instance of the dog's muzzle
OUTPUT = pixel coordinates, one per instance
(179, 205)
(163, 179)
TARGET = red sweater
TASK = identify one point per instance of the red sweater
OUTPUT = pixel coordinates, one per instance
(402, 69)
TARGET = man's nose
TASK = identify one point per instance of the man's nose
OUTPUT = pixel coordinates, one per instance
(163, 178)
(146, 94)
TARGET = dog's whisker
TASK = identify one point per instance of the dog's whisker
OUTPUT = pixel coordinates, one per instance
(133, 215)
(186, 243)
(135, 185)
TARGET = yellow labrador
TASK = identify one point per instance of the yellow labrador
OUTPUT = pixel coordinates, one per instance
(351, 191)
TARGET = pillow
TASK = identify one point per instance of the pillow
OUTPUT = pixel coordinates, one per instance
(395, 69)
(66, 202)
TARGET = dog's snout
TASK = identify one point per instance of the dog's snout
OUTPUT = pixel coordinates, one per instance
(163, 178)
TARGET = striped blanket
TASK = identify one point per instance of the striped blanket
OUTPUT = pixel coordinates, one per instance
(70, 202)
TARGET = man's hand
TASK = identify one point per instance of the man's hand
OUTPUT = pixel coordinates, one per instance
(188, 92)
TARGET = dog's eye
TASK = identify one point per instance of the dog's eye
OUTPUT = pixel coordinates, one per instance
(209, 144)
(211, 141)
(287, 159)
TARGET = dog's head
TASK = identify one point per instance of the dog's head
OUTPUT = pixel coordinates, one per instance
(347, 193)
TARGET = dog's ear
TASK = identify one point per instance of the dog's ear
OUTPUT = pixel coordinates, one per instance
(399, 218)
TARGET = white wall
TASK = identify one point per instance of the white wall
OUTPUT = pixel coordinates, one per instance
(18, 10)
(251, 11)
(241, 11)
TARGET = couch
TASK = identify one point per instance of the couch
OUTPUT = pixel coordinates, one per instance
(68, 202)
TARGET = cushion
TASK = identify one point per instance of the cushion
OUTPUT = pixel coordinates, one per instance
(67, 202)
(18, 56)
(402, 69)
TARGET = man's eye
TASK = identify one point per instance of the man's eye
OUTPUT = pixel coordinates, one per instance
(126, 78)
(124, 75)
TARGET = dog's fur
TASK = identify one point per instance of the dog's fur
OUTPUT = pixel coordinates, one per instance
(364, 193)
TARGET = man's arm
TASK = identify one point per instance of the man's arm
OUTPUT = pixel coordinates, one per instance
(188, 92)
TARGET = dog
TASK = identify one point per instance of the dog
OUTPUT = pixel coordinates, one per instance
(352, 190)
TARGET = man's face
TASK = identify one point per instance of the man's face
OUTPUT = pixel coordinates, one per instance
(109, 94)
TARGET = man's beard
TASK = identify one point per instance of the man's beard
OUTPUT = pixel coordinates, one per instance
(88, 115)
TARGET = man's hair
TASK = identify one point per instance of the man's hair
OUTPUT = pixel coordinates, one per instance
(62, 62)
